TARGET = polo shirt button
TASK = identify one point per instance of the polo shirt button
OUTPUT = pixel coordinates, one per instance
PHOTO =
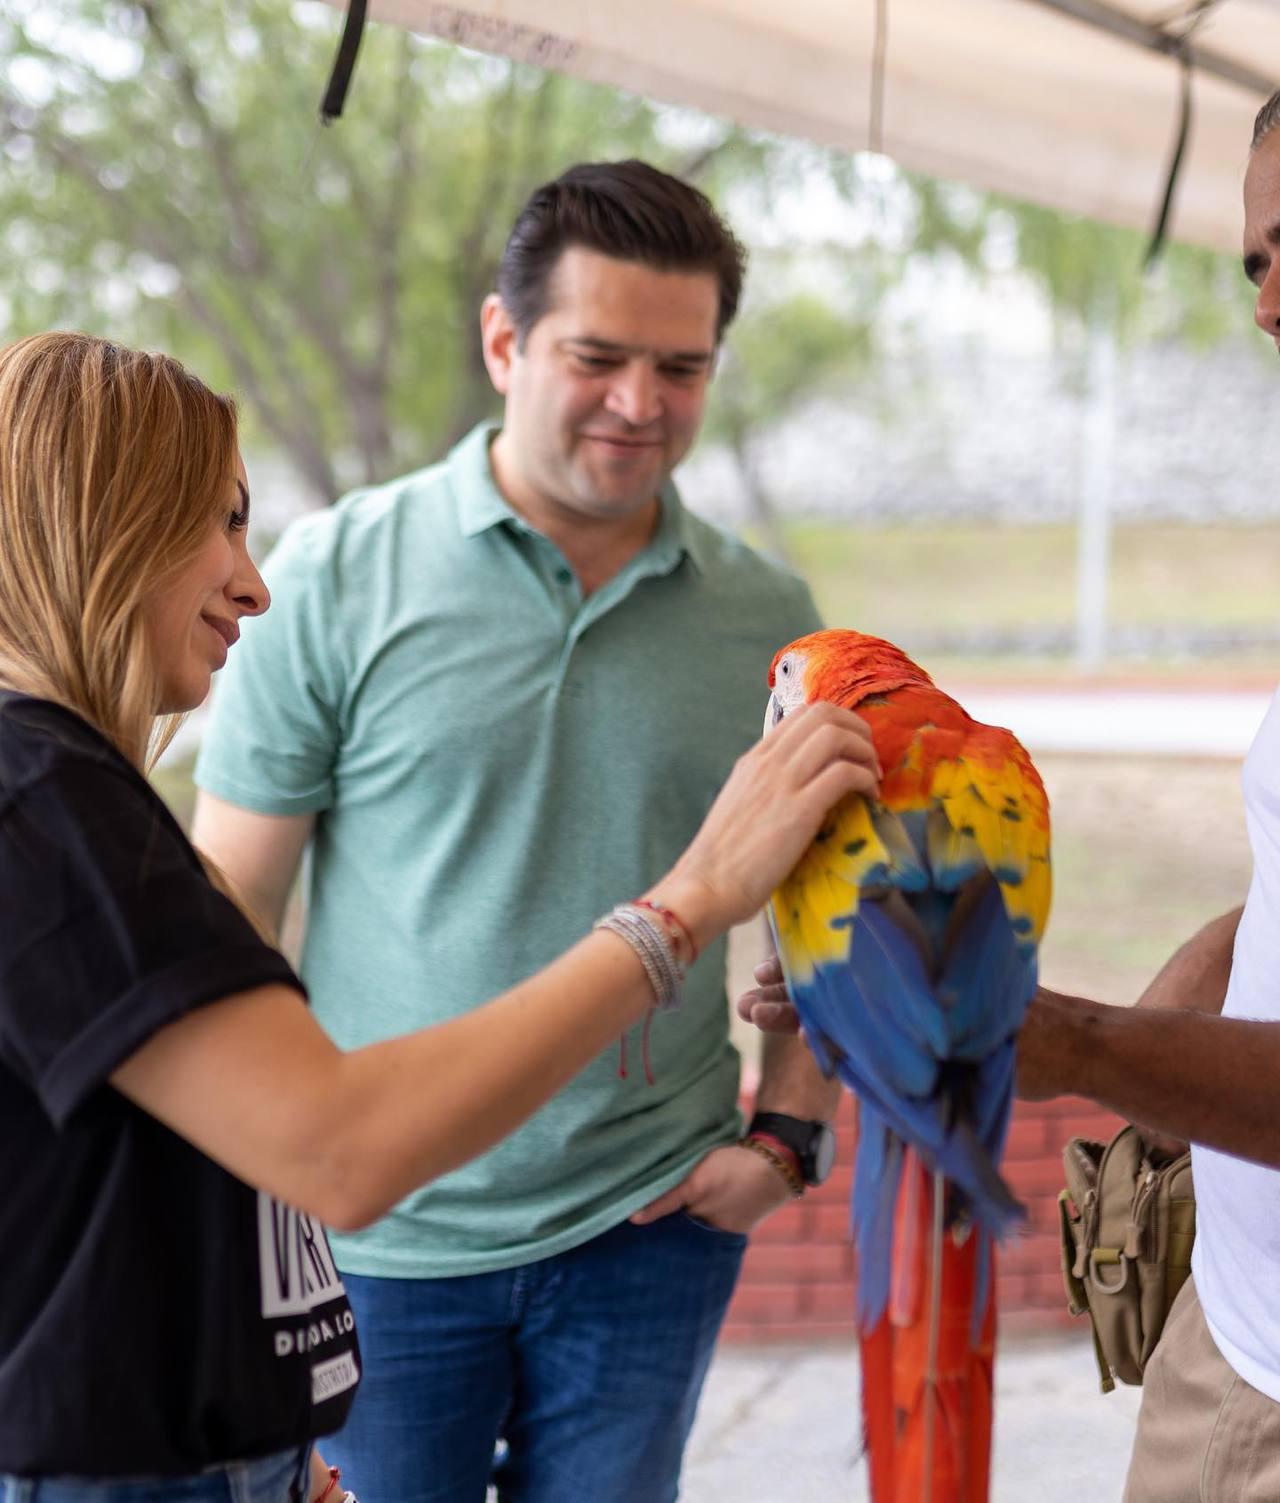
(564, 575)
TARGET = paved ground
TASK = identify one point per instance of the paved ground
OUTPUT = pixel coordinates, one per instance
(779, 1425)
(1159, 722)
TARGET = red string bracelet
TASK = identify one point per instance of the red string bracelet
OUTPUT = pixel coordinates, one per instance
(335, 1476)
(674, 918)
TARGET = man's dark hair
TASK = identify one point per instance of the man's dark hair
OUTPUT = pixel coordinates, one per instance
(627, 210)
(1268, 117)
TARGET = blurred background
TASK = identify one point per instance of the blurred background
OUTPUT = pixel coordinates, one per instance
(975, 425)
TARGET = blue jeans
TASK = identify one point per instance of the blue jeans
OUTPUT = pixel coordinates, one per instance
(587, 1364)
(268, 1480)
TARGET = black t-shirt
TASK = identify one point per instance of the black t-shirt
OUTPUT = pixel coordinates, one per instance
(157, 1315)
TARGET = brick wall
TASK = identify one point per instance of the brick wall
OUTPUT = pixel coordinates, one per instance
(797, 1280)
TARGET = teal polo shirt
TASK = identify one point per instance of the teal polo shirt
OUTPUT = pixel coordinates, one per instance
(494, 761)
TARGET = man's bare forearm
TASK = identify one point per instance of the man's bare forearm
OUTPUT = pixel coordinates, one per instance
(1188, 1074)
(791, 1082)
(1195, 976)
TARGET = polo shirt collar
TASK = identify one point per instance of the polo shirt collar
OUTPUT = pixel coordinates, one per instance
(481, 504)
(676, 537)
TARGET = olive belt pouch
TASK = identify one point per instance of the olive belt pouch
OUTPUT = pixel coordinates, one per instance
(1128, 1222)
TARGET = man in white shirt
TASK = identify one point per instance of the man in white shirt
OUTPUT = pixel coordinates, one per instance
(1199, 1059)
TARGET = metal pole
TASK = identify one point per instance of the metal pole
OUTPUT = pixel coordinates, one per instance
(1093, 552)
(1129, 28)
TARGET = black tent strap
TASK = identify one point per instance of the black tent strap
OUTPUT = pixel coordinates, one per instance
(1175, 166)
(335, 96)
(1181, 45)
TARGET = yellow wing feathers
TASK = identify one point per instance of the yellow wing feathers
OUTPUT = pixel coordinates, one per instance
(982, 811)
(811, 908)
(1006, 814)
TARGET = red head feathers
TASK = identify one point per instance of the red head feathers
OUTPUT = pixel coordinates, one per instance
(841, 666)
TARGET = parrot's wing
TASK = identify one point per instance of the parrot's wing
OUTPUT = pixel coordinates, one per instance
(983, 808)
(816, 913)
(992, 797)
(893, 1014)
(862, 985)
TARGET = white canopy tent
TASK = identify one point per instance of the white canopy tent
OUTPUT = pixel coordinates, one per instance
(1070, 103)
(1075, 104)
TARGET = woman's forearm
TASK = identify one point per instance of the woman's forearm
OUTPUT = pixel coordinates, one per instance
(418, 1106)
(254, 1082)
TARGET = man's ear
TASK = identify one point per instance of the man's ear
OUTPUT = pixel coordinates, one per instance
(498, 340)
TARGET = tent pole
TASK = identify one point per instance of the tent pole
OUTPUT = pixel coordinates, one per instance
(1097, 480)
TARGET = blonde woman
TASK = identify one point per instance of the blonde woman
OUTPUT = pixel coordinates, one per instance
(174, 1126)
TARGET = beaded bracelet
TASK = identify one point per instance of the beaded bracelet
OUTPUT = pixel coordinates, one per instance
(771, 1156)
(670, 917)
(653, 946)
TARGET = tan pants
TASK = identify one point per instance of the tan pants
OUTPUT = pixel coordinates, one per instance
(1204, 1434)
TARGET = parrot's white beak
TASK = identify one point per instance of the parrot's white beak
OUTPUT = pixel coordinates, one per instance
(773, 713)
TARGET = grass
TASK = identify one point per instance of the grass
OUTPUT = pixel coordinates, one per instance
(920, 583)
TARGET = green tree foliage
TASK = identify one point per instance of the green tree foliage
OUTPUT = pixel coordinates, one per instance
(165, 180)
(1094, 273)
(783, 351)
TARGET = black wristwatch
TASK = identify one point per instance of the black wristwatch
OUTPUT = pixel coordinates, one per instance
(813, 1143)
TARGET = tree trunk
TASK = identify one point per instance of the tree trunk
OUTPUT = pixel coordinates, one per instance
(760, 509)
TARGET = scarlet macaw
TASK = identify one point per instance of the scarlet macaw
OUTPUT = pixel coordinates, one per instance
(908, 935)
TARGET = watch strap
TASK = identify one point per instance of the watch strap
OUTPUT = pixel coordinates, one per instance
(796, 1132)
(801, 1135)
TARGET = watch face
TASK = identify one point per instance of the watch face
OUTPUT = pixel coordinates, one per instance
(823, 1153)
(813, 1143)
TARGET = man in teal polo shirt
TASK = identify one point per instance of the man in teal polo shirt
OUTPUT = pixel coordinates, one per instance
(496, 697)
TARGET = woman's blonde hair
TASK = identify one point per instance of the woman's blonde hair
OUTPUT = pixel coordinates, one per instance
(114, 464)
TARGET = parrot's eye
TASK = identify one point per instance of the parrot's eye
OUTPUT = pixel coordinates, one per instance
(785, 668)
